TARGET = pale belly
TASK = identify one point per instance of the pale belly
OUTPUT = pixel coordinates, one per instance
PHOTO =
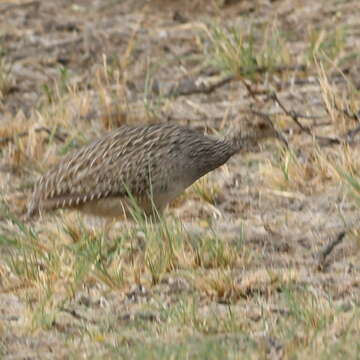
(119, 207)
(122, 207)
(110, 207)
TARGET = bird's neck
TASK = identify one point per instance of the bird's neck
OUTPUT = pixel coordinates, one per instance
(216, 155)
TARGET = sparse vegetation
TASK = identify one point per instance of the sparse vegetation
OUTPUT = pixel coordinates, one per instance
(243, 52)
(258, 260)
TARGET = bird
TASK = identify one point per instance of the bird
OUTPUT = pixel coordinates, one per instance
(144, 165)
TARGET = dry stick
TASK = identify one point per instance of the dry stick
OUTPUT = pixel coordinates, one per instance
(268, 119)
(303, 116)
(56, 135)
(347, 138)
(249, 89)
(264, 69)
(190, 86)
(329, 248)
(295, 117)
(347, 113)
(292, 114)
(351, 134)
(326, 251)
(77, 316)
(353, 116)
(339, 238)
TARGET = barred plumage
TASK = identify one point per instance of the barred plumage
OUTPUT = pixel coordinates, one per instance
(153, 163)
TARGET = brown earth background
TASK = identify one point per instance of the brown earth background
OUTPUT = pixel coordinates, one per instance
(258, 260)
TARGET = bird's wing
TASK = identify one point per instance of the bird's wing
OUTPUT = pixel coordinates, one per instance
(112, 166)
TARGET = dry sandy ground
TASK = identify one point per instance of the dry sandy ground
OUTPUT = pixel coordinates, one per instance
(258, 260)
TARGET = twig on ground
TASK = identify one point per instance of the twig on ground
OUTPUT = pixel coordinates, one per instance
(328, 249)
(196, 86)
(251, 92)
(349, 136)
(268, 119)
(280, 311)
(347, 113)
(76, 315)
(323, 140)
(292, 114)
(263, 69)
